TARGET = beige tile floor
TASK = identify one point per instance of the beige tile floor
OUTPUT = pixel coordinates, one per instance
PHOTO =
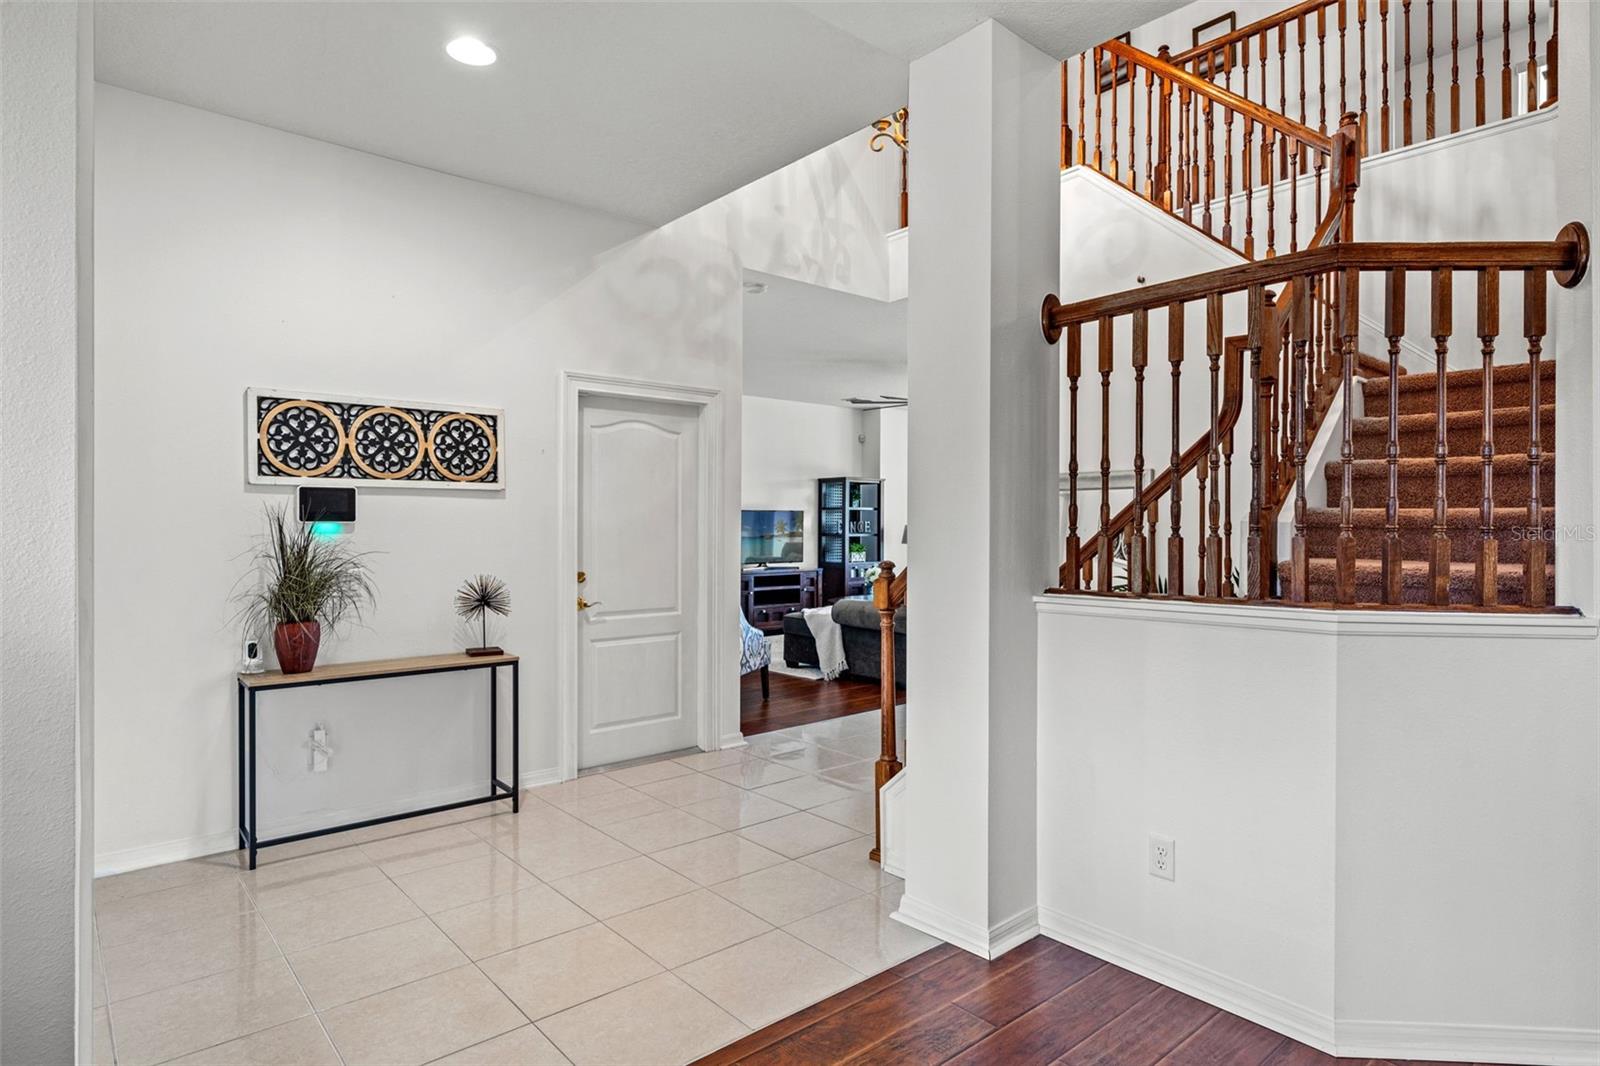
(642, 915)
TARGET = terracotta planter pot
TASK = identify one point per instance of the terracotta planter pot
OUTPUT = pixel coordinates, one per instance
(297, 644)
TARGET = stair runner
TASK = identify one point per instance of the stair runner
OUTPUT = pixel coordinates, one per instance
(1464, 484)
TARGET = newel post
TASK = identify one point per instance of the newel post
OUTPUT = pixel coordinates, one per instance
(1161, 192)
(1348, 141)
(888, 755)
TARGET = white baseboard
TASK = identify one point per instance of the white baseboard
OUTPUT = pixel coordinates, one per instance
(1469, 1043)
(1013, 932)
(733, 740)
(1257, 1005)
(986, 943)
(118, 862)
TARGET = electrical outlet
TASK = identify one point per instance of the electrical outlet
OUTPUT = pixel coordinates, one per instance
(1163, 857)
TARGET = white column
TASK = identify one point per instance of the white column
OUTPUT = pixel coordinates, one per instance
(46, 88)
(983, 429)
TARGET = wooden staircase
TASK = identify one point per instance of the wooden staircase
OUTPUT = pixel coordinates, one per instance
(1417, 486)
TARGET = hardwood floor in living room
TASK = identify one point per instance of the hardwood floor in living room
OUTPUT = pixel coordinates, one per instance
(798, 701)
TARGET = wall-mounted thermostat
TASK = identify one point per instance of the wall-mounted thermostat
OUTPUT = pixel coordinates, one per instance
(319, 504)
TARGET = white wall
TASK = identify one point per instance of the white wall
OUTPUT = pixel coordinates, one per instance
(233, 255)
(1403, 860)
(823, 219)
(787, 447)
(894, 463)
(46, 392)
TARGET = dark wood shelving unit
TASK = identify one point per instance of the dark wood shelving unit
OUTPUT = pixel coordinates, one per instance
(849, 514)
(769, 593)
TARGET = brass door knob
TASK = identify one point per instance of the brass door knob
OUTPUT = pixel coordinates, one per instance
(584, 605)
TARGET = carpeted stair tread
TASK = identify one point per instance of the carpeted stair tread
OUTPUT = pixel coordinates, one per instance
(1416, 531)
(1463, 481)
(1463, 389)
(1322, 575)
(1463, 429)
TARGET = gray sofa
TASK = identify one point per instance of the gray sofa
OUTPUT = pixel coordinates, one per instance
(858, 619)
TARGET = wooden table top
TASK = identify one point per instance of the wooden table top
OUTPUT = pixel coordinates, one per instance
(374, 668)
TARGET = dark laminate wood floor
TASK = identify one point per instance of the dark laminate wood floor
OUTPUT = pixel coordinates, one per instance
(1040, 1003)
(799, 700)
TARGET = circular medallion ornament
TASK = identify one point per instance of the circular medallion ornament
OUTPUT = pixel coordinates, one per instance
(302, 438)
(462, 447)
(386, 442)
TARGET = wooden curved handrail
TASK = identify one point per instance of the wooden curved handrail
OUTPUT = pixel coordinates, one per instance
(1169, 70)
(1245, 33)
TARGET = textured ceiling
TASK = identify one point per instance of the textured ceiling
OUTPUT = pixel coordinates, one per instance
(643, 110)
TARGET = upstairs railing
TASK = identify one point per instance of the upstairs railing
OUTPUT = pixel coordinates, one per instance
(1314, 320)
(1210, 133)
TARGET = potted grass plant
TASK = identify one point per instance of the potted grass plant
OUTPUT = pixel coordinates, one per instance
(306, 582)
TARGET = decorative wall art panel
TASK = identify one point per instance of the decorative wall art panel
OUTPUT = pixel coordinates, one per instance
(298, 436)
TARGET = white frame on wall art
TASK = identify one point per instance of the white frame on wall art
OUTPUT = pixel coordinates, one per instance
(254, 476)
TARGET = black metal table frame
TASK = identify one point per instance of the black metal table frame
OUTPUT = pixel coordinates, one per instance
(498, 789)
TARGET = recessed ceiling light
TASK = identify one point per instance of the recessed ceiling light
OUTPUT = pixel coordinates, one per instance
(755, 288)
(471, 51)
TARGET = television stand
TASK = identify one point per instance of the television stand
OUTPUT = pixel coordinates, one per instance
(770, 593)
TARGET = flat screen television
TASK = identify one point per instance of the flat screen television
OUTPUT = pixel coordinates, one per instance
(772, 537)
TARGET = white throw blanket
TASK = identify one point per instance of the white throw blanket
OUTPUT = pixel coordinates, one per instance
(830, 641)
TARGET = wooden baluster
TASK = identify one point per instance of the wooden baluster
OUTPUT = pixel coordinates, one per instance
(1283, 95)
(1478, 85)
(1184, 152)
(1098, 62)
(1394, 327)
(1533, 327)
(1228, 590)
(1486, 576)
(1227, 173)
(888, 764)
(1209, 184)
(1405, 64)
(1383, 111)
(1153, 518)
(1322, 70)
(1552, 54)
(1428, 127)
(1344, 104)
(1533, 59)
(1439, 545)
(1083, 96)
(1302, 25)
(1267, 171)
(1262, 331)
(1103, 564)
(1299, 562)
(1133, 127)
(1114, 174)
(1361, 35)
(1070, 569)
(1267, 136)
(1164, 189)
(1194, 139)
(1149, 136)
(1211, 570)
(1175, 540)
(1455, 66)
(1505, 61)
(1066, 129)
(1294, 202)
(1247, 161)
(1345, 548)
(1141, 357)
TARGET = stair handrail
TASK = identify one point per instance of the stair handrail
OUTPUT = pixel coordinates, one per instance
(1245, 33)
(1565, 259)
(1337, 224)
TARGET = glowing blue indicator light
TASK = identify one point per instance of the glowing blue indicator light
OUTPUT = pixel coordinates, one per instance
(326, 529)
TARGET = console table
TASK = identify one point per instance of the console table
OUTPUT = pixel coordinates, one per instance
(252, 685)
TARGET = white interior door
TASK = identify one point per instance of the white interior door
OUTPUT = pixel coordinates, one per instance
(638, 551)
